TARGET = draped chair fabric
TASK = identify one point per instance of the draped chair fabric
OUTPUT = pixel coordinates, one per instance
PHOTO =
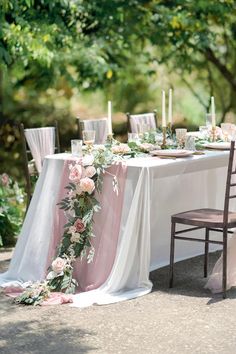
(140, 119)
(100, 127)
(41, 142)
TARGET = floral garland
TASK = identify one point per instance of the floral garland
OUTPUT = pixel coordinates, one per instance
(79, 205)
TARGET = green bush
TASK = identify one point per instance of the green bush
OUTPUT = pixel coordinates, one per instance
(12, 209)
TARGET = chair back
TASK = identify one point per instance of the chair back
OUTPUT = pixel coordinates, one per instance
(99, 125)
(36, 144)
(135, 121)
(230, 191)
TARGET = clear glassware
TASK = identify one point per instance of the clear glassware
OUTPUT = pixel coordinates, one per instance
(190, 143)
(76, 147)
(88, 137)
(181, 134)
(204, 132)
(228, 131)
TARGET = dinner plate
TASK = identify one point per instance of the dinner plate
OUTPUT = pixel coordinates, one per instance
(222, 145)
(172, 153)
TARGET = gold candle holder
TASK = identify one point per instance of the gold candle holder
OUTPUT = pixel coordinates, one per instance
(213, 134)
(163, 145)
(110, 139)
(169, 129)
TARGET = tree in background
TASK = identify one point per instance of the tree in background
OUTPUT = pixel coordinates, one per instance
(195, 39)
(198, 38)
(50, 49)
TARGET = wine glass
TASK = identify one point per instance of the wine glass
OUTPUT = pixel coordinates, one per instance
(88, 138)
(228, 131)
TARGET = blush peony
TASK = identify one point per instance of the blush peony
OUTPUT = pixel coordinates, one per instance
(87, 185)
(5, 179)
(90, 171)
(75, 173)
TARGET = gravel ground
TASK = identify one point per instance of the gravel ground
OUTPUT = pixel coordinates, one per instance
(185, 319)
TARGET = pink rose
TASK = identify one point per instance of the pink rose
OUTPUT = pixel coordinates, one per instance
(79, 225)
(87, 185)
(5, 179)
(75, 173)
(90, 171)
(58, 265)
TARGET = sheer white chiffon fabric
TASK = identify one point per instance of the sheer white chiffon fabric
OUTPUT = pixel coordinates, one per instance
(41, 142)
(214, 282)
(139, 119)
(129, 277)
(144, 244)
(100, 127)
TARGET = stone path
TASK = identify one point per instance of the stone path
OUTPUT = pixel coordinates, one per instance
(185, 319)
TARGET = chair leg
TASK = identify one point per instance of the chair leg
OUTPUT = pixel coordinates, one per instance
(206, 252)
(224, 270)
(172, 253)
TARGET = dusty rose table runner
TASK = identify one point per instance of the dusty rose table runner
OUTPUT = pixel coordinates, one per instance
(106, 229)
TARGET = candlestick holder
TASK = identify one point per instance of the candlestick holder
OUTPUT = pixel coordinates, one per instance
(110, 141)
(213, 132)
(163, 145)
(169, 130)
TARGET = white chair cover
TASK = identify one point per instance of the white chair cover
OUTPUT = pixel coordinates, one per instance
(100, 127)
(146, 118)
(41, 142)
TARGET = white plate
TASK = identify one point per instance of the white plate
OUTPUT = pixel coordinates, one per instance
(219, 146)
(172, 153)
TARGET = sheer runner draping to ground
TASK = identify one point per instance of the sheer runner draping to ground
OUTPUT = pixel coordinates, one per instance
(154, 189)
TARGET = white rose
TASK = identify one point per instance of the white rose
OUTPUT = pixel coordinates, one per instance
(72, 230)
(75, 238)
(88, 160)
(58, 265)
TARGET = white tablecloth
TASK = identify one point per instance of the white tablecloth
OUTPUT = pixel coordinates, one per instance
(155, 189)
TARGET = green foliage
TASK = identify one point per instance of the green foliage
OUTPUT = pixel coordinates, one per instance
(11, 210)
(52, 51)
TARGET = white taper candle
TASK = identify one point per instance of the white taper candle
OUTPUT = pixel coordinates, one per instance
(163, 109)
(109, 120)
(170, 107)
(213, 114)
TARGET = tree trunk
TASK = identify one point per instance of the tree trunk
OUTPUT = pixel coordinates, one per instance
(1, 97)
(209, 55)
